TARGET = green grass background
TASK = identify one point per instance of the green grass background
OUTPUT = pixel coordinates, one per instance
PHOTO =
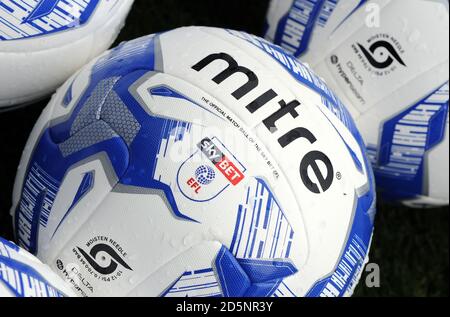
(410, 246)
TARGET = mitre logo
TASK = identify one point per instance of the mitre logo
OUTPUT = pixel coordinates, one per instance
(323, 179)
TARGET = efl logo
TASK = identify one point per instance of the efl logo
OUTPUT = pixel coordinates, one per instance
(204, 175)
(221, 161)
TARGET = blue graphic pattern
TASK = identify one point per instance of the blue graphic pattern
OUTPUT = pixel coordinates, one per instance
(21, 279)
(39, 193)
(201, 283)
(89, 131)
(87, 183)
(351, 263)
(68, 96)
(43, 8)
(5, 246)
(250, 277)
(233, 277)
(21, 19)
(49, 165)
(258, 216)
(399, 159)
(295, 28)
(258, 258)
(164, 91)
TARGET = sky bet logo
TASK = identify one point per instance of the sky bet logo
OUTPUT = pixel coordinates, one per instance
(221, 161)
(205, 174)
(308, 162)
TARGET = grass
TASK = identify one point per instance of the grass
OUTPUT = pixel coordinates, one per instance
(410, 246)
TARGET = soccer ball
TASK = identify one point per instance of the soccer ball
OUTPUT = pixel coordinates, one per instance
(388, 61)
(197, 162)
(22, 275)
(43, 42)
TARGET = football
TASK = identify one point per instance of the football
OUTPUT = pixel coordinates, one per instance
(197, 162)
(43, 42)
(23, 275)
(388, 61)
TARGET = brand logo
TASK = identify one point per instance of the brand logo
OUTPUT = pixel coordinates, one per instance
(102, 258)
(381, 54)
(205, 175)
(219, 169)
(224, 164)
(309, 162)
(115, 259)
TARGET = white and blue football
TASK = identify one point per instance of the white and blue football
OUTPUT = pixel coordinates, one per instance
(23, 275)
(197, 162)
(388, 61)
(43, 42)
